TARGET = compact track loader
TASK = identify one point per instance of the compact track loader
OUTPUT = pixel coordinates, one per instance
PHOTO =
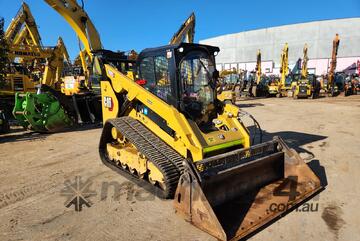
(167, 129)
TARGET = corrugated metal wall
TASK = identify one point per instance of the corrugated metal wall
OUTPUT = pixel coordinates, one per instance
(240, 48)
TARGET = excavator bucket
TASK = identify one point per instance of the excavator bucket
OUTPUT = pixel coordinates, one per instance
(232, 195)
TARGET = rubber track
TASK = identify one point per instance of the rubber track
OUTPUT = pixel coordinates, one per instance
(166, 159)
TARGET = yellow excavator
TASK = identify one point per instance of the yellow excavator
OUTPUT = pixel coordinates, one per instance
(26, 58)
(232, 84)
(301, 85)
(186, 32)
(282, 87)
(304, 85)
(4, 123)
(258, 87)
(330, 87)
(167, 131)
(17, 77)
(67, 96)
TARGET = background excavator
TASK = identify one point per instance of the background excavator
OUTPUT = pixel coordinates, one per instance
(303, 84)
(235, 83)
(282, 87)
(26, 49)
(43, 111)
(228, 85)
(166, 130)
(23, 59)
(186, 32)
(330, 87)
(4, 123)
(29, 63)
(259, 88)
(65, 96)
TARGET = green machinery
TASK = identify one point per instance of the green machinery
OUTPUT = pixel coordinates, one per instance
(40, 112)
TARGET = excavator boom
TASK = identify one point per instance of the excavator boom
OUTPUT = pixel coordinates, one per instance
(335, 47)
(186, 32)
(258, 67)
(61, 100)
(24, 15)
(284, 64)
(55, 64)
(304, 70)
(80, 22)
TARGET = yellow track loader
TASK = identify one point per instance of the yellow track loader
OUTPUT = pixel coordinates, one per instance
(167, 131)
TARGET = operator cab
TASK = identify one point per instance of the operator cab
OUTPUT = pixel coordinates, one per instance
(183, 76)
(119, 60)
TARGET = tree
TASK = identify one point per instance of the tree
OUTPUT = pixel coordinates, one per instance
(3, 52)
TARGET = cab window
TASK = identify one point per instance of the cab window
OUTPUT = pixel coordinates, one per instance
(163, 88)
(155, 70)
(147, 72)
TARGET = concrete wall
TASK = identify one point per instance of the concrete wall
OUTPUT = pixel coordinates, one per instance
(240, 48)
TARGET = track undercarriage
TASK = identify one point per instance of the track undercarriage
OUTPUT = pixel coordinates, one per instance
(131, 148)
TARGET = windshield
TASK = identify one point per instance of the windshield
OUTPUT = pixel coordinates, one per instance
(196, 71)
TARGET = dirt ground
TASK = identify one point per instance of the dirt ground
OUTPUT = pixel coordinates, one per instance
(34, 168)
